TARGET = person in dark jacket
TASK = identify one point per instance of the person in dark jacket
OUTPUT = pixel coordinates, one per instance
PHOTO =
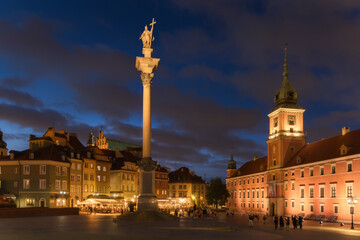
(294, 220)
(276, 221)
(300, 222)
(281, 222)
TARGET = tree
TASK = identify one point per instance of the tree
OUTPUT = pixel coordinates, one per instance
(216, 192)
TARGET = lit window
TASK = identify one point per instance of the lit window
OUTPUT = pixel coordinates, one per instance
(26, 183)
(64, 171)
(333, 190)
(276, 122)
(349, 189)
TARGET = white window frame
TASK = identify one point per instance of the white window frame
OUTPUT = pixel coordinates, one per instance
(321, 186)
(42, 169)
(26, 183)
(41, 185)
(26, 169)
(57, 185)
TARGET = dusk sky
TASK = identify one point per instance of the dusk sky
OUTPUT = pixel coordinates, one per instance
(71, 65)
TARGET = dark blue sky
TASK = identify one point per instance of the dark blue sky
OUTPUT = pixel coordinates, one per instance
(71, 65)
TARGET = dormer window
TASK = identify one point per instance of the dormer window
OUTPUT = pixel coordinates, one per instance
(31, 155)
(344, 149)
(298, 159)
(291, 120)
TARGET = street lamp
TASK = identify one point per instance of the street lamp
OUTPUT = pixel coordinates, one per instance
(352, 202)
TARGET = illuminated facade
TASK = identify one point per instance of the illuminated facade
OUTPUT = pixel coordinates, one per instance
(186, 188)
(297, 178)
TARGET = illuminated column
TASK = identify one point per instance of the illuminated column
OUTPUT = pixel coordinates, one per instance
(147, 66)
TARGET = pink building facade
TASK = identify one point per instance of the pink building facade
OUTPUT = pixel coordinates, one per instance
(315, 179)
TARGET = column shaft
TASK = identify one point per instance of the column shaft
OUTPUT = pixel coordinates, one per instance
(146, 121)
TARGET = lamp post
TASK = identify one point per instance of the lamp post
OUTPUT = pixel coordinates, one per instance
(352, 202)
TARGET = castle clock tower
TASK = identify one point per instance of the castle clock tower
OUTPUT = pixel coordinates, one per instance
(286, 137)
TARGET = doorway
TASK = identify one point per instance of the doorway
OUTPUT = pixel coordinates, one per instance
(42, 202)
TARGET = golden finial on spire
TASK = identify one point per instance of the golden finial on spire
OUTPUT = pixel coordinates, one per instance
(286, 72)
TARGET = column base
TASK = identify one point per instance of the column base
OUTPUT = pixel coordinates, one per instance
(147, 203)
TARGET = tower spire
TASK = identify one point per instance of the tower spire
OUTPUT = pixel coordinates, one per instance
(286, 71)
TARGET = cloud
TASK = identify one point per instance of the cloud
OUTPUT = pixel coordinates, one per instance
(19, 98)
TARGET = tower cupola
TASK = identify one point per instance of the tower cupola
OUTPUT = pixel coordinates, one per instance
(3, 145)
(231, 163)
(90, 142)
(287, 95)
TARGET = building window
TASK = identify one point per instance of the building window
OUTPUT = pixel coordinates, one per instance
(292, 203)
(15, 170)
(349, 167)
(292, 173)
(302, 192)
(78, 189)
(86, 165)
(333, 169)
(292, 185)
(91, 177)
(253, 193)
(64, 171)
(85, 187)
(86, 177)
(42, 183)
(15, 184)
(104, 168)
(248, 181)
(286, 203)
(311, 172)
(322, 191)
(92, 188)
(26, 184)
(57, 185)
(72, 177)
(79, 166)
(98, 178)
(291, 120)
(286, 186)
(349, 190)
(321, 170)
(30, 202)
(104, 178)
(26, 170)
(262, 179)
(248, 193)
(42, 169)
(311, 207)
(276, 122)
(78, 178)
(273, 177)
(333, 190)
(257, 179)
(311, 194)
(72, 189)
(302, 173)
(274, 161)
(285, 174)
(257, 193)
(322, 207)
(99, 168)
(253, 180)
(91, 165)
(73, 166)
(262, 193)
(336, 208)
(302, 207)
(64, 185)
(243, 193)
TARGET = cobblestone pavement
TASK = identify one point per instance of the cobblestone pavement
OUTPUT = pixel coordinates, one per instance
(102, 227)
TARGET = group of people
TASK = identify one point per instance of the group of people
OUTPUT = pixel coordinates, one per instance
(296, 221)
(279, 222)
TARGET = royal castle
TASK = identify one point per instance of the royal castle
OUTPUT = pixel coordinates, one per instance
(317, 180)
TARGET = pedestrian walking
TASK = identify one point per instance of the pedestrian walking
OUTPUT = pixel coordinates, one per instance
(287, 223)
(281, 222)
(276, 221)
(251, 219)
(294, 220)
(300, 222)
(264, 219)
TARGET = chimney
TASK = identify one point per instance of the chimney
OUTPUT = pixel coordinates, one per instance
(345, 130)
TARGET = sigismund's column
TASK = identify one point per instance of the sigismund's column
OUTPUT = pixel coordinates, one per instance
(147, 66)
